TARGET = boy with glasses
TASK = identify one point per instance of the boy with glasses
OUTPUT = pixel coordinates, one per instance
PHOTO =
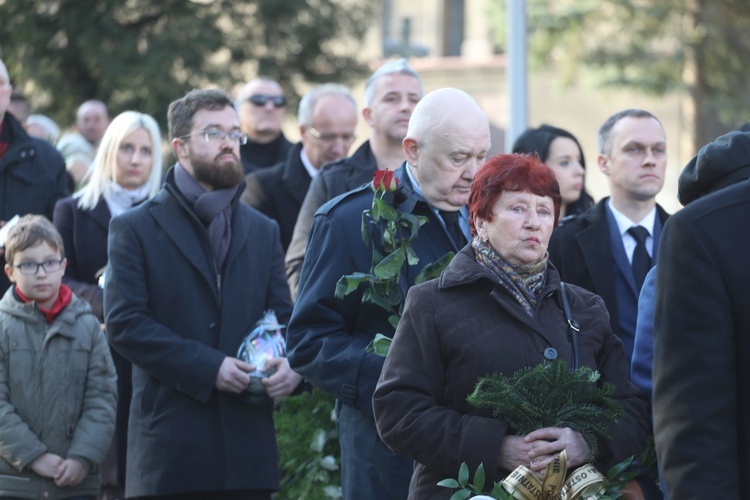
(57, 380)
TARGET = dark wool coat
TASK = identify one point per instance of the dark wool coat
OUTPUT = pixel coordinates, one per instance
(334, 179)
(84, 234)
(279, 191)
(32, 179)
(582, 253)
(701, 344)
(463, 326)
(176, 317)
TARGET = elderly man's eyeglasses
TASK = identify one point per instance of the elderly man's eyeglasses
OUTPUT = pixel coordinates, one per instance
(31, 268)
(218, 135)
(331, 138)
(278, 101)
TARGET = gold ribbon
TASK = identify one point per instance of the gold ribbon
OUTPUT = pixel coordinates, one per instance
(584, 482)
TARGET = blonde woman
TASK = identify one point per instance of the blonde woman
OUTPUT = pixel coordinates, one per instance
(126, 172)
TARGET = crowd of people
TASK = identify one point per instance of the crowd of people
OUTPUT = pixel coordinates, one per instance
(128, 290)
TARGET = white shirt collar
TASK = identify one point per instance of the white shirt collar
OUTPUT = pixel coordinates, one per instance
(624, 223)
(311, 170)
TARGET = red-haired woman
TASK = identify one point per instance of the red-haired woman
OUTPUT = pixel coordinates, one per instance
(497, 308)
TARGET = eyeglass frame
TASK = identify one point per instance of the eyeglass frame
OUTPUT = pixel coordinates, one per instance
(330, 138)
(220, 135)
(260, 100)
(37, 265)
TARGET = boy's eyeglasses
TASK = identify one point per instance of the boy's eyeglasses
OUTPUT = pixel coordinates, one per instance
(278, 101)
(217, 135)
(30, 268)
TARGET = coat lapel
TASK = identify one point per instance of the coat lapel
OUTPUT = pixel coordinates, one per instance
(100, 215)
(597, 255)
(184, 233)
(295, 178)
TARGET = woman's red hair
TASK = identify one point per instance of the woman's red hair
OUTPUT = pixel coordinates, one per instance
(510, 172)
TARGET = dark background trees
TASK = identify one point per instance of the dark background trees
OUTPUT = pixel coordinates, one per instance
(142, 54)
(700, 47)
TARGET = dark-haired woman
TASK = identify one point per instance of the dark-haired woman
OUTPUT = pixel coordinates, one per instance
(560, 151)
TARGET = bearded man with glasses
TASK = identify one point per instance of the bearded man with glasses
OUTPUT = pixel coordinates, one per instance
(261, 105)
(190, 273)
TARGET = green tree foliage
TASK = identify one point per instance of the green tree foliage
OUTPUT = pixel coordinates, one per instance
(656, 46)
(142, 54)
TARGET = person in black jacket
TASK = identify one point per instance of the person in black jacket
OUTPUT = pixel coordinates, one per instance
(327, 121)
(32, 172)
(598, 249)
(261, 104)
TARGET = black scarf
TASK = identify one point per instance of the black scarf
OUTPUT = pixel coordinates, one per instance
(213, 208)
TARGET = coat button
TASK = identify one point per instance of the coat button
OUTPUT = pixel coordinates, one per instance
(550, 353)
(213, 328)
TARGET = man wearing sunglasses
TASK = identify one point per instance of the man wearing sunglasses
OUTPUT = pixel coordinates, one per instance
(327, 119)
(261, 105)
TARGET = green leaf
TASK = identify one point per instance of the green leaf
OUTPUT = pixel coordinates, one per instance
(347, 284)
(373, 298)
(379, 345)
(499, 493)
(393, 319)
(385, 210)
(618, 469)
(390, 266)
(463, 474)
(411, 257)
(431, 271)
(449, 483)
(461, 495)
(479, 479)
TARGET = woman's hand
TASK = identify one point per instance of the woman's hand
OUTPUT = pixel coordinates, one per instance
(547, 443)
(514, 451)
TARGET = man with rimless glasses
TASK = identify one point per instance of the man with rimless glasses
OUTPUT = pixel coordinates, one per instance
(261, 105)
(327, 119)
(190, 273)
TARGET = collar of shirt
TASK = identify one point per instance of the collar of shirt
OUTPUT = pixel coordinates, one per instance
(624, 223)
(311, 170)
(463, 212)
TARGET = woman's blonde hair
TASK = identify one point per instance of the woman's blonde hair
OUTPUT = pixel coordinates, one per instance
(103, 171)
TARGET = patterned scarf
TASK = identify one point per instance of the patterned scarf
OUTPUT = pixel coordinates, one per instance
(523, 281)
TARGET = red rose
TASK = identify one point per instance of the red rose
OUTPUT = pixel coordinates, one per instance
(383, 180)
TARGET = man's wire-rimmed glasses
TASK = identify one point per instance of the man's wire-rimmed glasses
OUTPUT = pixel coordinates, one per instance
(218, 135)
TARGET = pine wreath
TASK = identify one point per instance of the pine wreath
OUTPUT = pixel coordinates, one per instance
(551, 395)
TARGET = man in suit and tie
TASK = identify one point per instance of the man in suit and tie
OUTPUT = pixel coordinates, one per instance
(446, 142)
(327, 119)
(610, 248)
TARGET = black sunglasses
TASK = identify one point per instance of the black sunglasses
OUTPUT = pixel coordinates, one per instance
(260, 100)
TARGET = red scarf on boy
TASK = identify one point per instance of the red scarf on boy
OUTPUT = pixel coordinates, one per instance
(64, 296)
